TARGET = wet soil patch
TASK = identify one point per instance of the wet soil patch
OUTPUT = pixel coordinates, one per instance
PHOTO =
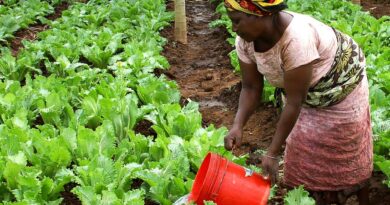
(30, 33)
(38, 121)
(150, 202)
(144, 127)
(379, 192)
(136, 184)
(69, 197)
(203, 72)
(377, 8)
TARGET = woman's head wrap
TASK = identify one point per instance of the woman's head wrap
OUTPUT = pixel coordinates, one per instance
(256, 7)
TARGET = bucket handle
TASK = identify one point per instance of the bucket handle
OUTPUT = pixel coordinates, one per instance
(215, 194)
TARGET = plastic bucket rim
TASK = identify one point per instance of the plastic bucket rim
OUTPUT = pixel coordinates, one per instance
(211, 161)
(208, 161)
(267, 192)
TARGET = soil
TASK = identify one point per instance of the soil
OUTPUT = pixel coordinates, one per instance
(377, 8)
(204, 74)
(144, 127)
(31, 32)
(68, 196)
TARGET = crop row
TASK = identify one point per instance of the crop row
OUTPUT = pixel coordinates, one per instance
(16, 15)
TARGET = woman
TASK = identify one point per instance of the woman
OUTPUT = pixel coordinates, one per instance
(325, 121)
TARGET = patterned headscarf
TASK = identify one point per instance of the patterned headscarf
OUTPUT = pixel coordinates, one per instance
(256, 7)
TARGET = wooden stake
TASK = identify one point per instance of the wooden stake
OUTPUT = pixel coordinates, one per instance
(180, 21)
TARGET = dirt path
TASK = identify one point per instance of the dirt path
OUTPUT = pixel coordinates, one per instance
(377, 8)
(203, 71)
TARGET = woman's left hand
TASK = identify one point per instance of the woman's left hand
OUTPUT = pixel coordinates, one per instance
(270, 168)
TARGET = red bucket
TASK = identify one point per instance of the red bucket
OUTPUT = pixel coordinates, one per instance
(227, 183)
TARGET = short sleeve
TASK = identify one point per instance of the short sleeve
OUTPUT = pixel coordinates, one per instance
(300, 50)
(242, 51)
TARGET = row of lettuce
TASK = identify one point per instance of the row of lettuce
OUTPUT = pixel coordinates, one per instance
(19, 14)
(71, 102)
(373, 35)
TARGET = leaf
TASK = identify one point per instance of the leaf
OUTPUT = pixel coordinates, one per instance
(68, 137)
(134, 197)
(110, 198)
(91, 112)
(152, 90)
(86, 194)
(14, 165)
(97, 173)
(298, 196)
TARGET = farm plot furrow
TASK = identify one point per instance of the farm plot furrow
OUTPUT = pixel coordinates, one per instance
(71, 104)
(30, 33)
(19, 15)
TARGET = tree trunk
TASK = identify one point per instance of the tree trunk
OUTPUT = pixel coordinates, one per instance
(180, 21)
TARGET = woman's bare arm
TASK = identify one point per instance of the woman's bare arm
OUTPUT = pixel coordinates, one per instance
(296, 83)
(250, 96)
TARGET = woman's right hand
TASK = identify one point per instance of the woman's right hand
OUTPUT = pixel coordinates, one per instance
(233, 139)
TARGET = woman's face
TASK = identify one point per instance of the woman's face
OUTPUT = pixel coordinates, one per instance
(248, 27)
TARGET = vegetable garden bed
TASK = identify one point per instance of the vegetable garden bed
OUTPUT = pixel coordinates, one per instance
(30, 33)
(89, 113)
